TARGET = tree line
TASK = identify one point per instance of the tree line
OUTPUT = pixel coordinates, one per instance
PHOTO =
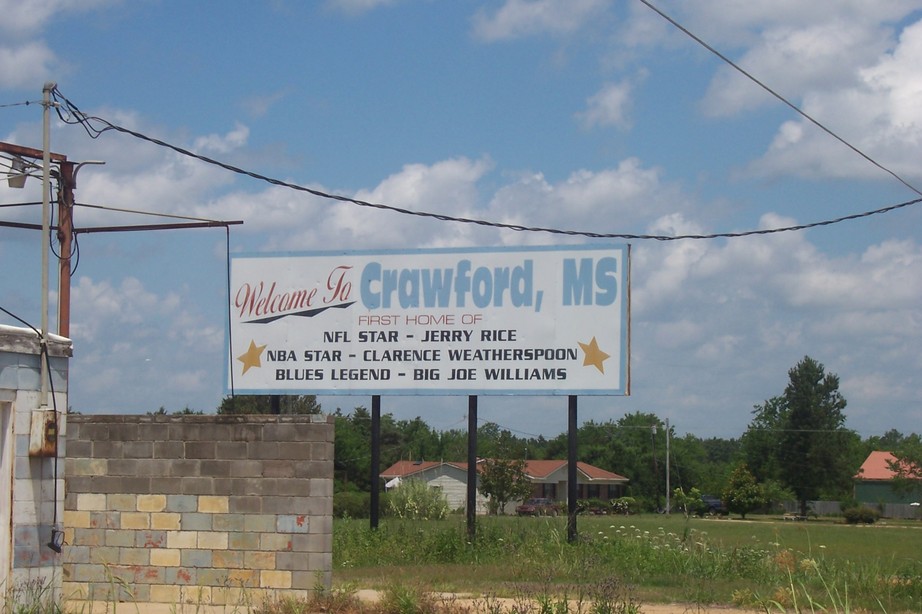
(796, 446)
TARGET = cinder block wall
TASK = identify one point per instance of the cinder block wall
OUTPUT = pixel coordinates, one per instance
(31, 483)
(197, 509)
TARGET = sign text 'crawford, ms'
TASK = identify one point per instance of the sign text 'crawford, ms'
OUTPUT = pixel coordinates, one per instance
(539, 320)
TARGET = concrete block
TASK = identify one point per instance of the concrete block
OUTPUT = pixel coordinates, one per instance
(213, 540)
(134, 556)
(124, 467)
(195, 521)
(164, 593)
(274, 579)
(215, 468)
(225, 486)
(230, 450)
(181, 539)
(275, 542)
(228, 522)
(208, 578)
(120, 538)
(166, 521)
(185, 468)
(124, 432)
(133, 485)
(200, 449)
(135, 520)
(291, 487)
(246, 432)
(263, 450)
(104, 556)
(195, 558)
(321, 488)
(293, 523)
(181, 576)
(165, 557)
(260, 523)
(104, 448)
(76, 520)
(79, 448)
(295, 450)
(105, 520)
(244, 505)
(314, 542)
(308, 580)
(244, 578)
(169, 450)
(259, 560)
(278, 469)
(246, 468)
(227, 559)
(90, 537)
(243, 541)
(293, 561)
(213, 504)
(181, 503)
(120, 502)
(151, 503)
(154, 468)
(87, 466)
(87, 502)
(156, 433)
(151, 539)
(197, 486)
(166, 486)
(90, 573)
(76, 554)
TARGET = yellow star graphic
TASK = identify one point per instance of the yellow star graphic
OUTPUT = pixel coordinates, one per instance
(252, 356)
(594, 356)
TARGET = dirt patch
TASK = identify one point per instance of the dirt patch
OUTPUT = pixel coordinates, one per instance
(479, 604)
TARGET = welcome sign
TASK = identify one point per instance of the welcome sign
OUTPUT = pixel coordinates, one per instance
(527, 320)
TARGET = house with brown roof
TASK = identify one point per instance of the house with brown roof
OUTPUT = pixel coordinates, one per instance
(548, 477)
(874, 481)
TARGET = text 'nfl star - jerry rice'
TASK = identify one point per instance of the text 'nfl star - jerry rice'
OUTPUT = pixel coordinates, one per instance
(513, 321)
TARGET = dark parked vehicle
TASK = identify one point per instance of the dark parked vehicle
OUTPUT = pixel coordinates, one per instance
(712, 506)
(537, 507)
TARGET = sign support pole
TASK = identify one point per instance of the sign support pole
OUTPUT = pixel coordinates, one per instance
(471, 467)
(572, 491)
(375, 458)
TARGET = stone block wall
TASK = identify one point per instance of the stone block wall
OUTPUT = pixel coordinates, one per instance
(201, 509)
(31, 478)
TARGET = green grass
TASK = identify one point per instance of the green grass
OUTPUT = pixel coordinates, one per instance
(763, 563)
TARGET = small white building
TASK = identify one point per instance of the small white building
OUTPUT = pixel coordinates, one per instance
(32, 422)
(548, 477)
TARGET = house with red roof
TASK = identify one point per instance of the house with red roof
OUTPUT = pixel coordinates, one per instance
(874, 480)
(548, 477)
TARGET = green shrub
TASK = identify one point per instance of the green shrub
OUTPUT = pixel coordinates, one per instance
(625, 505)
(861, 515)
(353, 504)
(414, 499)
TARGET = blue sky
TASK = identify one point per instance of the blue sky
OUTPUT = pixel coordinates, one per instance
(573, 114)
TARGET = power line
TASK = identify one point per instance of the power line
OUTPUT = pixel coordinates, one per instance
(784, 100)
(75, 116)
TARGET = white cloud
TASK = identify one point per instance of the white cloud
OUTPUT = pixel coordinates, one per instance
(520, 18)
(826, 55)
(357, 7)
(878, 115)
(608, 107)
(26, 66)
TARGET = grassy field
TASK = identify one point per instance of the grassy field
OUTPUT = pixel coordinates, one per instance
(764, 563)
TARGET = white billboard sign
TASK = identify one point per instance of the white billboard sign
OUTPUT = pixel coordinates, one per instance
(527, 320)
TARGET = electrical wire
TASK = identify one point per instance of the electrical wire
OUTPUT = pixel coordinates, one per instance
(781, 98)
(69, 113)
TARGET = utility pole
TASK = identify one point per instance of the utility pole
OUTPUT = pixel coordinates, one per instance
(668, 508)
(46, 229)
